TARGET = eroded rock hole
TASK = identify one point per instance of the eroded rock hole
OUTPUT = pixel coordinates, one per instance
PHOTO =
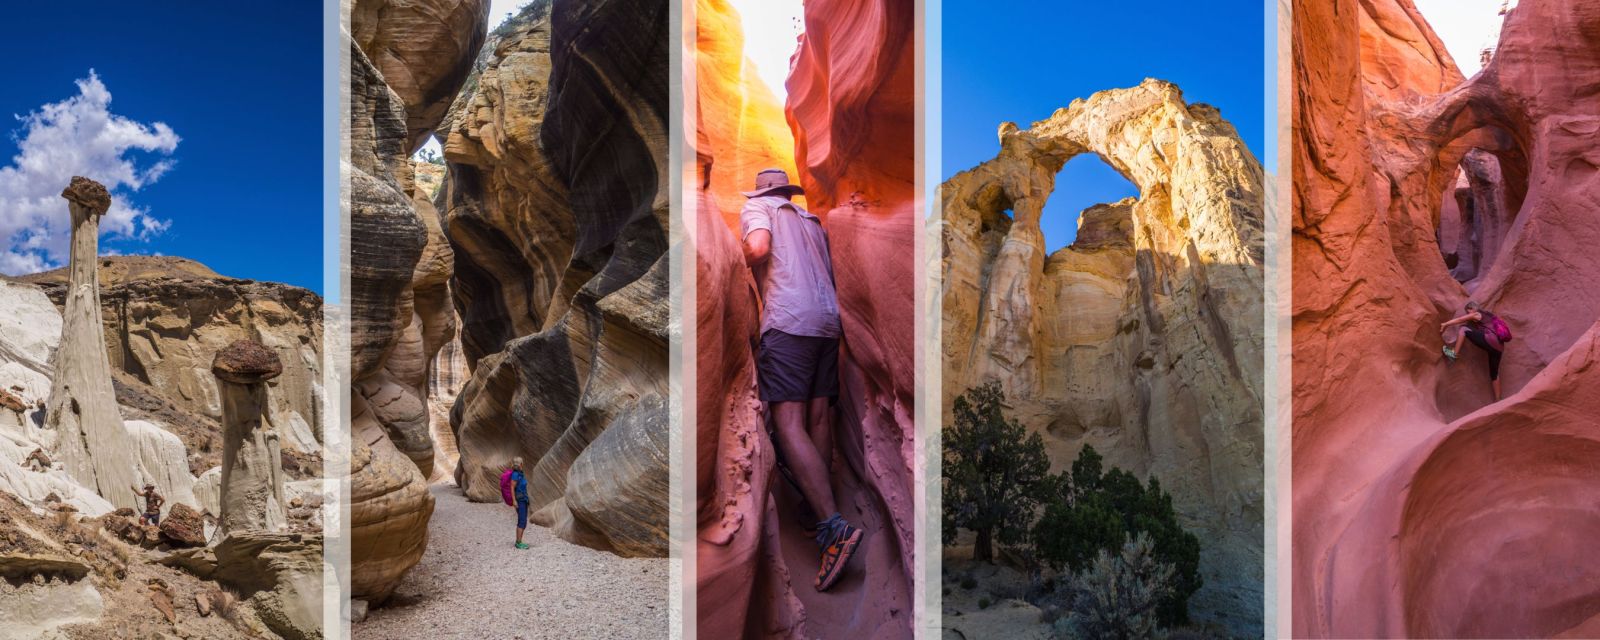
(1479, 201)
(1086, 190)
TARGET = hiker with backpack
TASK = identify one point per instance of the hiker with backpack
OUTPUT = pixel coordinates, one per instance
(514, 490)
(1484, 329)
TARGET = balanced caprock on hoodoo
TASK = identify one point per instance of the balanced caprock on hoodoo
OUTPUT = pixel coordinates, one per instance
(163, 480)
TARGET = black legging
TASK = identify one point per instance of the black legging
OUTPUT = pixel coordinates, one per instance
(1475, 334)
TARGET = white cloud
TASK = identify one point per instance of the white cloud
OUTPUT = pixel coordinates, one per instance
(78, 136)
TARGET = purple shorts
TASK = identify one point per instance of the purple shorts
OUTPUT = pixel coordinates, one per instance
(795, 368)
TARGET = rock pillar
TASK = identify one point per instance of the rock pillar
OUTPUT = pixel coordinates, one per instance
(91, 442)
(252, 468)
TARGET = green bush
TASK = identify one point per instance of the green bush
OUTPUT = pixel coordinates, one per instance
(994, 471)
(983, 603)
(1092, 512)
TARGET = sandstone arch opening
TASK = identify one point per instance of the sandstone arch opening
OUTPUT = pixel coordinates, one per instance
(1085, 184)
(1142, 336)
(1484, 176)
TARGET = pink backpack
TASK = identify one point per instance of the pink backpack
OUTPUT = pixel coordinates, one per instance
(506, 488)
(1501, 330)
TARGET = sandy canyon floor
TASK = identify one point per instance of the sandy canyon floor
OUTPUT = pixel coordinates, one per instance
(472, 584)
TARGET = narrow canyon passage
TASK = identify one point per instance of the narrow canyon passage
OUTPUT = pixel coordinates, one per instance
(845, 137)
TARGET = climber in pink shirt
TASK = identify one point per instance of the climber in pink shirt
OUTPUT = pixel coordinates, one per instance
(1484, 329)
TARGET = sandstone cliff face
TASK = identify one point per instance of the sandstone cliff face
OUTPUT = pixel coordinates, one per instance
(1144, 337)
(851, 115)
(407, 62)
(165, 318)
(1393, 451)
(557, 210)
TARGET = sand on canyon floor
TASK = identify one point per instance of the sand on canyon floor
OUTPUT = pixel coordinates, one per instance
(471, 583)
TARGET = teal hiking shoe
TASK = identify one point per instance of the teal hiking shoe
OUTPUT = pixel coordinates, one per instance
(1450, 353)
(522, 545)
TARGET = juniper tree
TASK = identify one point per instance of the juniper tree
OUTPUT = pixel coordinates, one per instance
(994, 472)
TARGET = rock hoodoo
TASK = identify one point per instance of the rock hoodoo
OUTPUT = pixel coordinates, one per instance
(252, 474)
(1422, 507)
(850, 111)
(556, 208)
(90, 440)
(1144, 337)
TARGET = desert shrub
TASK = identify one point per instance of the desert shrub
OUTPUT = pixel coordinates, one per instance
(983, 603)
(1092, 511)
(969, 582)
(993, 472)
(1117, 596)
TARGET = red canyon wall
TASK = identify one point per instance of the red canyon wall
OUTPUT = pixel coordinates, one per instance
(851, 111)
(1421, 507)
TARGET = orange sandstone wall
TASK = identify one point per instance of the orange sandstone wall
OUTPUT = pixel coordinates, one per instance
(742, 120)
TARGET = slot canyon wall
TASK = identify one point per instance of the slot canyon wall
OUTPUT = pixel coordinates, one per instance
(1422, 507)
(1143, 338)
(851, 123)
(556, 208)
(407, 61)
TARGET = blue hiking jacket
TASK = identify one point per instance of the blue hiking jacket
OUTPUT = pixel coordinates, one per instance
(520, 482)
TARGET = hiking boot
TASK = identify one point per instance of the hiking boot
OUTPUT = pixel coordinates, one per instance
(522, 545)
(839, 542)
(1450, 353)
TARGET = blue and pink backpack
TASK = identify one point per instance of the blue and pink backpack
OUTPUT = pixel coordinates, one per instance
(507, 487)
(1501, 330)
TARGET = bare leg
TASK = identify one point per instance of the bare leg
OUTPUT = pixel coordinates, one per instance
(519, 536)
(1461, 340)
(819, 418)
(801, 453)
(1496, 383)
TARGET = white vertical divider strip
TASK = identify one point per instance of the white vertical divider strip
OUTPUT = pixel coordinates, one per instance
(929, 361)
(1278, 386)
(682, 380)
(335, 325)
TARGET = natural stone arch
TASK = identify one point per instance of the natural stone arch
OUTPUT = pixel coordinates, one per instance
(1144, 337)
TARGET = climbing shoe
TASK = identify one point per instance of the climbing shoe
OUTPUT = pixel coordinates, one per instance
(1450, 353)
(522, 545)
(839, 542)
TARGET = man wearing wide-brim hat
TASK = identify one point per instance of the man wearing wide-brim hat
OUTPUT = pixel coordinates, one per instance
(797, 362)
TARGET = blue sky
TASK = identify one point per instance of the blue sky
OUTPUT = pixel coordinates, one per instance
(1019, 61)
(206, 121)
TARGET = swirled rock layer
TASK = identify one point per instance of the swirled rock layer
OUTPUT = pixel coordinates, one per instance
(557, 211)
(1422, 507)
